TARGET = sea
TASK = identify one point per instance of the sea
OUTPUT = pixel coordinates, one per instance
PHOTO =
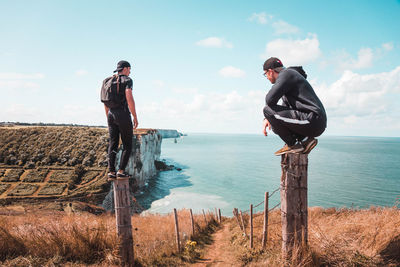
(226, 171)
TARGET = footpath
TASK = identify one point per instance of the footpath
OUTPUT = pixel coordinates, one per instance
(219, 253)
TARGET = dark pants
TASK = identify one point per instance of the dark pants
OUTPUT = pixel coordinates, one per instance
(119, 124)
(293, 125)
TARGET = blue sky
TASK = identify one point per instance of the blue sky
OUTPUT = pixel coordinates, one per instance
(197, 65)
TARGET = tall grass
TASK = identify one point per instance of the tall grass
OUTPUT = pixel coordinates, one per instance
(84, 239)
(344, 237)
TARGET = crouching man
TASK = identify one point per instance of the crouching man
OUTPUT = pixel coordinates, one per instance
(301, 117)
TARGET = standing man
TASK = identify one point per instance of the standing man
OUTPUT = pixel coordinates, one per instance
(119, 120)
(301, 117)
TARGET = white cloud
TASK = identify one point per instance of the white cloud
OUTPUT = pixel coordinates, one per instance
(206, 112)
(20, 76)
(81, 72)
(214, 42)
(360, 95)
(388, 46)
(364, 60)
(282, 27)
(13, 80)
(261, 18)
(231, 72)
(294, 52)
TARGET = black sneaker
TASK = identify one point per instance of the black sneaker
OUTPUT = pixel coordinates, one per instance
(296, 148)
(309, 144)
(123, 175)
(111, 176)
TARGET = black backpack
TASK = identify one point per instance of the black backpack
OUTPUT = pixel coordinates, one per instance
(110, 92)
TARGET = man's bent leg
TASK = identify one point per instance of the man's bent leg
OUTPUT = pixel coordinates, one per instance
(279, 127)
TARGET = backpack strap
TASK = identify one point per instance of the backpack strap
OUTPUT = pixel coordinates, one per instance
(116, 75)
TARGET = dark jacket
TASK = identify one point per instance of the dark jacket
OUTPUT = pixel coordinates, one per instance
(296, 93)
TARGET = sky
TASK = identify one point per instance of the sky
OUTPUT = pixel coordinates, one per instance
(197, 65)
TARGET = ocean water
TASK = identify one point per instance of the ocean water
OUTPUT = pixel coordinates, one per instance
(227, 171)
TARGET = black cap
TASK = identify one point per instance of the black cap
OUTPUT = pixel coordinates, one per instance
(122, 64)
(273, 63)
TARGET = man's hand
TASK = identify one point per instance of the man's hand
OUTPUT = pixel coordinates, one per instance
(265, 125)
(135, 123)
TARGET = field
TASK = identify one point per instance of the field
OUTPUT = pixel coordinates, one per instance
(345, 237)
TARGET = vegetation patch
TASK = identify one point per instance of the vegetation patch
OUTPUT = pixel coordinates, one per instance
(23, 190)
(53, 189)
(13, 175)
(35, 176)
(3, 188)
(88, 176)
(2, 171)
(61, 176)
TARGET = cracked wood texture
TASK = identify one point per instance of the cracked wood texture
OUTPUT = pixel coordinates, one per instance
(123, 219)
(294, 202)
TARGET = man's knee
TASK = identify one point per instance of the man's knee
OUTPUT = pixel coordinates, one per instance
(268, 112)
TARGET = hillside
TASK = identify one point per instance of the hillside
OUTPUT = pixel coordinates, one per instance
(337, 237)
(55, 163)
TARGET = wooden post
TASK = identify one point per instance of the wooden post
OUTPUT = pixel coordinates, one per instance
(219, 215)
(216, 214)
(123, 220)
(236, 214)
(205, 218)
(251, 225)
(244, 228)
(265, 232)
(294, 202)
(191, 219)
(178, 245)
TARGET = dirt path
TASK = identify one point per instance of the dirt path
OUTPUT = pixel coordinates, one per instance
(218, 253)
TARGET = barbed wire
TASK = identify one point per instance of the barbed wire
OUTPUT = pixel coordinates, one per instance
(262, 202)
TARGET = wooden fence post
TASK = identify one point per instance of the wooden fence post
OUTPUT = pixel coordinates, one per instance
(178, 245)
(294, 202)
(236, 214)
(191, 219)
(251, 225)
(219, 215)
(244, 228)
(123, 220)
(265, 232)
(205, 218)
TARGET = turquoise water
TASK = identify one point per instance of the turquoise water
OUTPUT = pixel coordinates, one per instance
(227, 171)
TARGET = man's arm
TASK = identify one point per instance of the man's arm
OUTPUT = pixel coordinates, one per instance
(106, 109)
(132, 108)
(281, 87)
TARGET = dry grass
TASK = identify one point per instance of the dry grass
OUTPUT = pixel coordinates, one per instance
(40, 239)
(342, 237)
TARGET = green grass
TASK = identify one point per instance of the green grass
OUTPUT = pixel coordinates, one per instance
(53, 189)
(13, 175)
(35, 176)
(23, 190)
(3, 188)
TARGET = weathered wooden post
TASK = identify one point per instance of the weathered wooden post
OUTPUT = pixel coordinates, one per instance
(294, 202)
(123, 220)
(241, 218)
(236, 214)
(178, 245)
(265, 231)
(251, 225)
(219, 216)
(192, 221)
(204, 215)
